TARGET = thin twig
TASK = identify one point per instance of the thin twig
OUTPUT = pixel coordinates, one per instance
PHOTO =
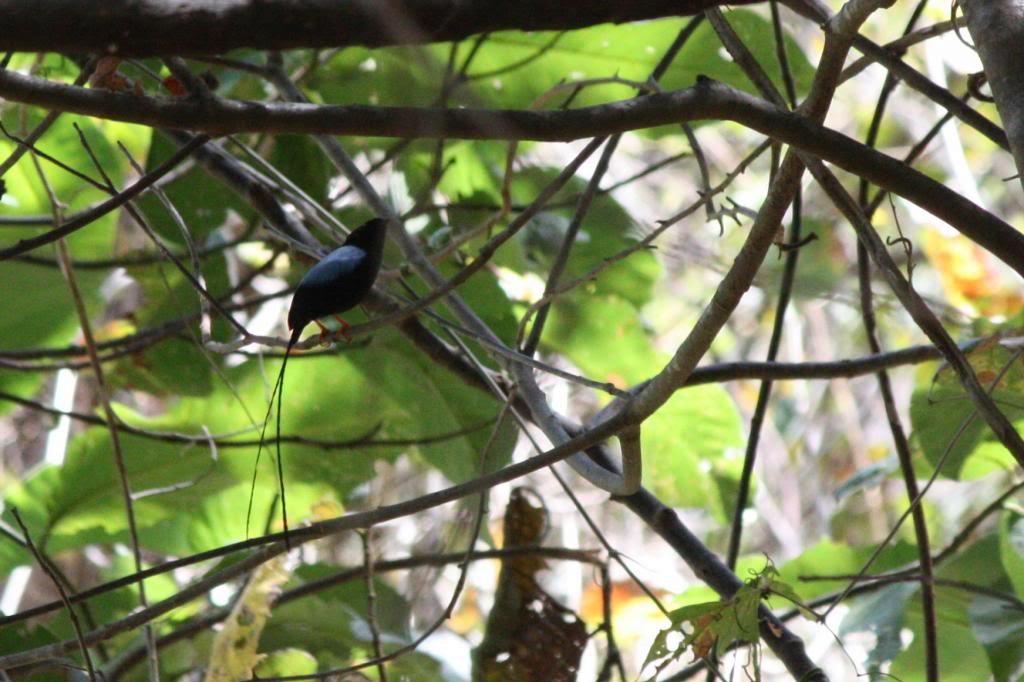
(919, 311)
(371, 603)
(120, 199)
(48, 569)
(215, 615)
(67, 268)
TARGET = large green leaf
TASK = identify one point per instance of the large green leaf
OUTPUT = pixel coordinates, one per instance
(961, 654)
(176, 365)
(834, 558)
(473, 170)
(26, 194)
(607, 231)
(21, 637)
(881, 613)
(406, 76)
(692, 450)
(427, 400)
(38, 313)
(512, 68)
(80, 502)
(335, 398)
(961, 657)
(1000, 629)
(628, 51)
(299, 158)
(604, 336)
(331, 624)
(946, 424)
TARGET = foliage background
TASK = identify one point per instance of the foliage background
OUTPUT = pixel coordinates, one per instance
(827, 489)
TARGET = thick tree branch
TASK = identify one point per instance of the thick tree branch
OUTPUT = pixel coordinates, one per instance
(997, 27)
(177, 27)
(707, 100)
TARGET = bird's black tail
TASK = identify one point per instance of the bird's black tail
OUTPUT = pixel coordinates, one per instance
(277, 391)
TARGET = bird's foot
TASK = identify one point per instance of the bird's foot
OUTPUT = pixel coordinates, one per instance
(326, 336)
(343, 331)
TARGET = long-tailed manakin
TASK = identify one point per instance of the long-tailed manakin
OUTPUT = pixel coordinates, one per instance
(339, 282)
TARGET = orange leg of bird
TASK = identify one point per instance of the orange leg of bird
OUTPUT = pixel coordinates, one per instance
(344, 327)
(325, 334)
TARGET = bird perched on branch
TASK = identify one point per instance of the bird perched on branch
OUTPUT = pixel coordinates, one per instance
(339, 282)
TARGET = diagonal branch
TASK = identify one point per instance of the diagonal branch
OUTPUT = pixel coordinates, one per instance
(107, 206)
(919, 311)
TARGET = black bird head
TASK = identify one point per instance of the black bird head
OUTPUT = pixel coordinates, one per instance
(370, 237)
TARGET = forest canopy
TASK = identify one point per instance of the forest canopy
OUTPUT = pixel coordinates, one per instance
(694, 350)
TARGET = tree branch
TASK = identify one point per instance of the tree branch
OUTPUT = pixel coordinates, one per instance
(706, 100)
(189, 27)
(997, 27)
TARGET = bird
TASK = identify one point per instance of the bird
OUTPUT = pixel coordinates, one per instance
(336, 284)
(341, 280)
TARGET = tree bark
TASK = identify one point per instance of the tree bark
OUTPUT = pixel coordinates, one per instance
(191, 27)
(997, 28)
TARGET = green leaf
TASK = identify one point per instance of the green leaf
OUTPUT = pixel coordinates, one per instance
(173, 367)
(331, 398)
(949, 431)
(880, 613)
(607, 231)
(286, 662)
(26, 195)
(962, 658)
(488, 300)
(788, 592)
(604, 337)
(692, 622)
(709, 627)
(330, 624)
(1011, 549)
(545, 59)
(80, 502)
(474, 169)
(300, 159)
(692, 450)
(744, 627)
(47, 318)
(1000, 629)
(22, 638)
(425, 396)
(945, 420)
(834, 558)
(404, 75)
(961, 655)
(44, 319)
